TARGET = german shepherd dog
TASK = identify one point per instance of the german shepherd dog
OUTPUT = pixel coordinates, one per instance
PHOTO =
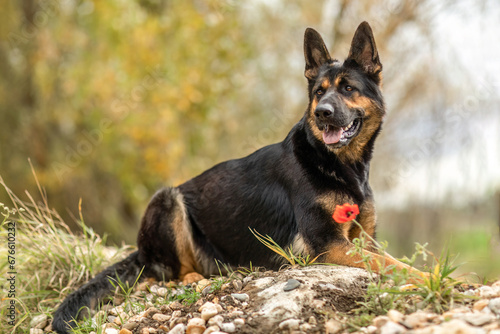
(287, 190)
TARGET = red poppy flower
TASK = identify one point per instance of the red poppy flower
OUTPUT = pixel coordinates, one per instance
(345, 213)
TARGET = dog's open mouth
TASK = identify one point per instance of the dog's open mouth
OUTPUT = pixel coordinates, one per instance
(333, 135)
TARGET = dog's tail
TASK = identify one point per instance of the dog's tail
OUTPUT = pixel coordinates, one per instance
(88, 296)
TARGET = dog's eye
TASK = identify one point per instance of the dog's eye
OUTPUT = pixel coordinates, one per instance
(349, 88)
(320, 91)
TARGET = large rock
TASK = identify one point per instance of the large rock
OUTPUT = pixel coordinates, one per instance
(322, 288)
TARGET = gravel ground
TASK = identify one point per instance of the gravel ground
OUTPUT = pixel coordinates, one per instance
(314, 299)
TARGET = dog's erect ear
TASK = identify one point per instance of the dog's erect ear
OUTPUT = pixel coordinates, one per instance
(315, 52)
(364, 51)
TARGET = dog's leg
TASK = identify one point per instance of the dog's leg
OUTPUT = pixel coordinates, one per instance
(165, 238)
(337, 253)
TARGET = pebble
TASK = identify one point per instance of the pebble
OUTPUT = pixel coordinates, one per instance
(289, 324)
(177, 314)
(228, 327)
(457, 326)
(178, 329)
(494, 305)
(417, 320)
(312, 320)
(487, 292)
(151, 311)
(216, 321)
(208, 310)
(478, 319)
(125, 331)
(238, 285)
(305, 327)
(162, 292)
(175, 305)
(211, 329)
(392, 328)
(395, 316)
(161, 317)
(480, 304)
(39, 321)
(111, 331)
(36, 331)
(247, 280)
(291, 285)
(130, 326)
(195, 326)
(332, 326)
(239, 322)
(242, 297)
(380, 321)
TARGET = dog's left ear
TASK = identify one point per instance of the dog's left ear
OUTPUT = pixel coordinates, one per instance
(315, 53)
(364, 51)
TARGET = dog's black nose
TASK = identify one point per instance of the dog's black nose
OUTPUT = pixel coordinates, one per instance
(323, 111)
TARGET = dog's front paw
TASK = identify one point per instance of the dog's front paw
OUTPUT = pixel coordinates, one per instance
(191, 278)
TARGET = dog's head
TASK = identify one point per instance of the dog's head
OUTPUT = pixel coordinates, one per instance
(346, 106)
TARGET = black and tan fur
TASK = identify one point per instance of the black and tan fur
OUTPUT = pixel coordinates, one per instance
(287, 190)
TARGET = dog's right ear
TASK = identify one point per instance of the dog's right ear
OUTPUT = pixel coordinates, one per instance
(315, 52)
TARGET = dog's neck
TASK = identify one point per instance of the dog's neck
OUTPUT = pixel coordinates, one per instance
(326, 167)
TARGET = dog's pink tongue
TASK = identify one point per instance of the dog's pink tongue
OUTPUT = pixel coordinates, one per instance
(332, 135)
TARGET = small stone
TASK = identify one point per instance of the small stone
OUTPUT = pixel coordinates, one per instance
(392, 328)
(416, 320)
(225, 286)
(130, 326)
(211, 329)
(291, 284)
(208, 310)
(206, 291)
(177, 314)
(195, 326)
(36, 331)
(395, 316)
(151, 311)
(228, 327)
(380, 321)
(178, 329)
(238, 285)
(494, 305)
(480, 304)
(204, 283)
(216, 321)
(161, 317)
(39, 321)
(371, 329)
(487, 292)
(175, 305)
(312, 320)
(290, 324)
(219, 308)
(242, 297)
(457, 326)
(305, 327)
(247, 280)
(478, 319)
(162, 292)
(111, 331)
(239, 322)
(125, 331)
(332, 326)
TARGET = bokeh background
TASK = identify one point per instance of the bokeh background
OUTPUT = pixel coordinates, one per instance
(111, 100)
